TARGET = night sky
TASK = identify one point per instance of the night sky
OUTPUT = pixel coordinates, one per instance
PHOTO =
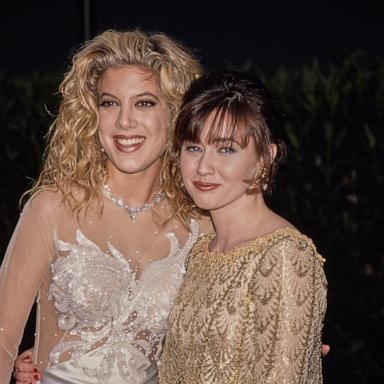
(41, 35)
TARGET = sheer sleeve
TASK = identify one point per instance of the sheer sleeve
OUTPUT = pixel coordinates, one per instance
(300, 293)
(24, 266)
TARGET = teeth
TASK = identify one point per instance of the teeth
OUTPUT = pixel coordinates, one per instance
(130, 141)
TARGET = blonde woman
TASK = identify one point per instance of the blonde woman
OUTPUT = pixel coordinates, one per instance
(97, 242)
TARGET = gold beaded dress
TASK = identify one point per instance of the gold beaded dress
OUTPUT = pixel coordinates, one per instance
(104, 286)
(253, 315)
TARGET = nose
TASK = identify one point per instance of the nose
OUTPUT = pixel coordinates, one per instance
(205, 164)
(126, 118)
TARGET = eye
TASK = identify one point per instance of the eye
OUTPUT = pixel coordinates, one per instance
(227, 150)
(145, 103)
(107, 103)
(192, 148)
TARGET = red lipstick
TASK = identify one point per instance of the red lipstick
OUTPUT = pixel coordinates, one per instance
(205, 187)
(128, 144)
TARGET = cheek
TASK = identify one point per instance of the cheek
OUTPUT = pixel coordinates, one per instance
(186, 167)
(251, 172)
(159, 129)
(105, 124)
(237, 171)
(101, 133)
(230, 170)
(163, 132)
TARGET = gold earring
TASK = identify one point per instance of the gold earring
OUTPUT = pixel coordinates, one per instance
(261, 178)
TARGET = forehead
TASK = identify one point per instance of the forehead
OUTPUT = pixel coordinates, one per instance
(223, 127)
(130, 77)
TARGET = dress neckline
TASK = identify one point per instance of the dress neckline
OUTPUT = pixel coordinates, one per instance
(114, 253)
(251, 243)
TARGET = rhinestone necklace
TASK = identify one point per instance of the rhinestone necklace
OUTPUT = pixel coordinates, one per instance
(132, 211)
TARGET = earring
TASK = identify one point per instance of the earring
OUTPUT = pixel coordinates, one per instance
(102, 150)
(261, 179)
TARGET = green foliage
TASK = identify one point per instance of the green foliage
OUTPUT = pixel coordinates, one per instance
(331, 186)
(24, 118)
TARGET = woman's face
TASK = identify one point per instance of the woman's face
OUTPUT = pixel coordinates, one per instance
(132, 119)
(214, 174)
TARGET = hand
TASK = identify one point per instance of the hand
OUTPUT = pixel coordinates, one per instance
(325, 348)
(26, 372)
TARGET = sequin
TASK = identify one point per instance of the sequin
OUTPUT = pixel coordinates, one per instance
(99, 299)
(253, 315)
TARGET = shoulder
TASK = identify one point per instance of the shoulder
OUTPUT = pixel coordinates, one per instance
(43, 200)
(284, 246)
(46, 204)
(289, 255)
(291, 243)
(286, 258)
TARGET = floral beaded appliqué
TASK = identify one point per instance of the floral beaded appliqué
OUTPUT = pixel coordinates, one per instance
(110, 314)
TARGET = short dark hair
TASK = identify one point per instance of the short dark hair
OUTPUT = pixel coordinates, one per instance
(238, 107)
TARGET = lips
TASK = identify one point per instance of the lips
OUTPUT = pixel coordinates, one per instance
(205, 187)
(128, 144)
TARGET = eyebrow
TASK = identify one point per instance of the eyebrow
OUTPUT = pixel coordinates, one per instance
(148, 94)
(136, 96)
(106, 94)
(218, 140)
(225, 140)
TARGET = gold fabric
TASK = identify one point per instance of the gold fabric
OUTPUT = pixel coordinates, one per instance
(253, 315)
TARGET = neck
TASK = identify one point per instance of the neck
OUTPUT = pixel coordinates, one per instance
(136, 188)
(239, 222)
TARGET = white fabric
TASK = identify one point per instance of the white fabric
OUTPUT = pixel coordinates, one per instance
(104, 286)
(66, 373)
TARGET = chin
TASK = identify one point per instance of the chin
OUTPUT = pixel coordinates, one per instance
(206, 206)
(137, 165)
(131, 169)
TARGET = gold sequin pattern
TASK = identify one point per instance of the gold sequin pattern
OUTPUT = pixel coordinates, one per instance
(253, 315)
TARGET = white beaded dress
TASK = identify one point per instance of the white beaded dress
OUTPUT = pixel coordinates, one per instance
(104, 287)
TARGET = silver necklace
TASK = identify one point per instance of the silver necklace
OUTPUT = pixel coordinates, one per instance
(132, 211)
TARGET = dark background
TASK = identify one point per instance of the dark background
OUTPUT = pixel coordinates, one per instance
(324, 61)
(39, 35)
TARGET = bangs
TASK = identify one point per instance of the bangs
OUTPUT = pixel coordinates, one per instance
(228, 120)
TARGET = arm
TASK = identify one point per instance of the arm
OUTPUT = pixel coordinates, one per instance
(24, 267)
(300, 312)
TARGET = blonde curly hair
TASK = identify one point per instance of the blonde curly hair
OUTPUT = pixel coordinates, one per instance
(73, 160)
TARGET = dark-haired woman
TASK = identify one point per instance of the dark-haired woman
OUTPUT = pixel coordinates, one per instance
(252, 304)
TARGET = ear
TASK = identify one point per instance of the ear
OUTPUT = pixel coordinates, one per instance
(273, 151)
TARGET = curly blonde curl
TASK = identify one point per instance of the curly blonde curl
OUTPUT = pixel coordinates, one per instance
(73, 161)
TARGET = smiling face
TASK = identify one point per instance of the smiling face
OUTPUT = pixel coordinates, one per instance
(132, 120)
(215, 172)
